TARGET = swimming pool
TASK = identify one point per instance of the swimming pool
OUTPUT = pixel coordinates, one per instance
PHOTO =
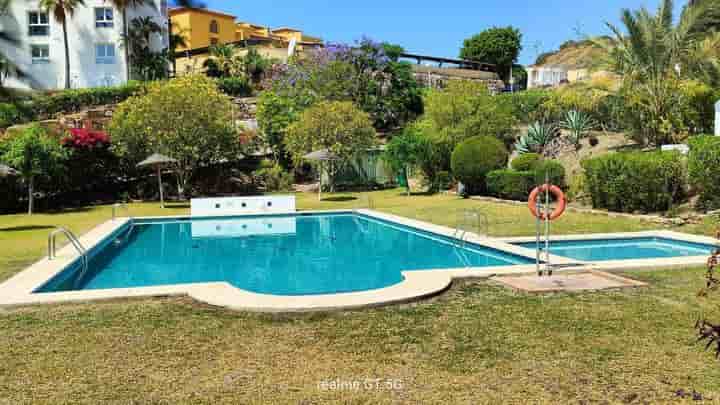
(289, 255)
(591, 250)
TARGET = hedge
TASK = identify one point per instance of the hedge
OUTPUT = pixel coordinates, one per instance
(635, 181)
(510, 184)
(69, 101)
(704, 170)
(526, 162)
(47, 105)
(555, 171)
(475, 157)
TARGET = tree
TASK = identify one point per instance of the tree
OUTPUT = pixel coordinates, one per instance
(254, 65)
(34, 154)
(123, 6)
(223, 61)
(404, 152)
(146, 63)
(186, 118)
(336, 126)
(499, 46)
(61, 10)
(365, 74)
(274, 116)
(653, 55)
(465, 109)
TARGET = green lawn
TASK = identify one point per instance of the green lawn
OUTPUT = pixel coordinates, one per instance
(478, 343)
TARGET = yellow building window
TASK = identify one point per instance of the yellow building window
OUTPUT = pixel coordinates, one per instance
(214, 27)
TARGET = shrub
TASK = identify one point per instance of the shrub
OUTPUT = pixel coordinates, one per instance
(635, 181)
(555, 171)
(465, 109)
(510, 184)
(235, 86)
(274, 178)
(526, 105)
(9, 115)
(67, 101)
(474, 158)
(539, 136)
(704, 169)
(526, 162)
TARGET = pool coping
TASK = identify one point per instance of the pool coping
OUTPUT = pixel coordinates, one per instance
(636, 264)
(417, 284)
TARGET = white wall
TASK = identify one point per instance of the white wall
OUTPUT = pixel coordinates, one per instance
(545, 76)
(82, 38)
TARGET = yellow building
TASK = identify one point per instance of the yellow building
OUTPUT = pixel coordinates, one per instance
(202, 28)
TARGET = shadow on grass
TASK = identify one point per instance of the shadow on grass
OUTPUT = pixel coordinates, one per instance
(340, 198)
(26, 228)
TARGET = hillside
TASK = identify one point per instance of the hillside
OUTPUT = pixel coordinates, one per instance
(574, 55)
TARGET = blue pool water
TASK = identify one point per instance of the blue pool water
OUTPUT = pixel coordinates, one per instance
(282, 255)
(621, 249)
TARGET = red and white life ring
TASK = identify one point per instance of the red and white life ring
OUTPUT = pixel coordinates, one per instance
(559, 196)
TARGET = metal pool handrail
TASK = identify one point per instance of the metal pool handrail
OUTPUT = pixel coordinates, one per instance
(73, 240)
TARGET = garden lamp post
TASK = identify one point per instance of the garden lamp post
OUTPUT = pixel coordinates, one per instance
(322, 155)
(157, 161)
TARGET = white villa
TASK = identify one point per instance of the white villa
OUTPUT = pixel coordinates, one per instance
(546, 76)
(97, 56)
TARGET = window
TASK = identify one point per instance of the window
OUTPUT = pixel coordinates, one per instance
(38, 23)
(214, 27)
(104, 54)
(40, 53)
(103, 17)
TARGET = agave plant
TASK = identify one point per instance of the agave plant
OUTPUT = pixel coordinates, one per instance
(539, 135)
(579, 125)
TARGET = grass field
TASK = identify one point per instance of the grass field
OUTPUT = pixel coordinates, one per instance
(478, 343)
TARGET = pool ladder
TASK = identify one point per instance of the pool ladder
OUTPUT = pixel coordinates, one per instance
(73, 241)
(468, 219)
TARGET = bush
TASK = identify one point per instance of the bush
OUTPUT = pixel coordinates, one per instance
(68, 101)
(9, 115)
(510, 184)
(474, 158)
(274, 178)
(555, 171)
(704, 170)
(526, 162)
(526, 105)
(635, 181)
(235, 86)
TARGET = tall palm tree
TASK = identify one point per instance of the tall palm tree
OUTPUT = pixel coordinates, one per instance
(654, 53)
(123, 6)
(62, 10)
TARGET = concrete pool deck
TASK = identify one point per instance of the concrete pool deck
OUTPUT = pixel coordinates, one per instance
(19, 289)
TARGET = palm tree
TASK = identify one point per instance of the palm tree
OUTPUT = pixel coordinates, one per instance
(654, 52)
(61, 10)
(222, 61)
(123, 6)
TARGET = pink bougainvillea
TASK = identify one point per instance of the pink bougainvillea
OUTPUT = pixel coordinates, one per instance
(86, 138)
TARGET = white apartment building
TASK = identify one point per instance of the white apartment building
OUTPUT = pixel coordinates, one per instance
(95, 32)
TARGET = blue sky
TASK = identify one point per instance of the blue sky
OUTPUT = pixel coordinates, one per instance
(437, 27)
